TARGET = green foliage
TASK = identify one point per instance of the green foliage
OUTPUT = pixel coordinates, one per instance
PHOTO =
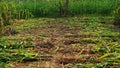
(103, 40)
(99, 37)
(92, 7)
(15, 51)
(117, 16)
(16, 9)
(39, 8)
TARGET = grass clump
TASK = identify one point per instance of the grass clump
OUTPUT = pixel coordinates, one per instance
(15, 51)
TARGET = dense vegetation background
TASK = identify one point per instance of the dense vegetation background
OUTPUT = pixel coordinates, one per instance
(51, 8)
(23, 9)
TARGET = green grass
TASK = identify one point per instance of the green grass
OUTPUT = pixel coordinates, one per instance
(28, 8)
(104, 39)
(34, 9)
(92, 7)
(101, 37)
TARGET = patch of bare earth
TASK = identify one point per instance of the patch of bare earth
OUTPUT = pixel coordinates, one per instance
(62, 46)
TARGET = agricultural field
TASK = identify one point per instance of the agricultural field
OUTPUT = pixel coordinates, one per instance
(59, 33)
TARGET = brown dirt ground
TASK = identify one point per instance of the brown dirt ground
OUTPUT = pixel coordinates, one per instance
(58, 46)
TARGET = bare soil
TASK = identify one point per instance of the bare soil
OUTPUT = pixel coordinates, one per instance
(59, 45)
